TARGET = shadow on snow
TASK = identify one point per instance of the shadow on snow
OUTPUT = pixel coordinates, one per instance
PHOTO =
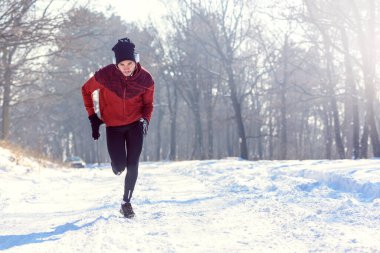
(9, 241)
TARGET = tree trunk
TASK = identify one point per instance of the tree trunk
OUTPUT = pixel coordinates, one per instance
(230, 151)
(173, 139)
(6, 62)
(364, 143)
(210, 132)
(368, 52)
(337, 131)
(257, 130)
(283, 109)
(238, 114)
(173, 108)
(271, 130)
(160, 115)
(327, 128)
(173, 128)
(369, 78)
(333, 101)
(198, 152)
(352, 98)
(6, 109)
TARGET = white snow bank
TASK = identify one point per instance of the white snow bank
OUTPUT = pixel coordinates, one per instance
(361, 177)
(228, 205)
(16, 161)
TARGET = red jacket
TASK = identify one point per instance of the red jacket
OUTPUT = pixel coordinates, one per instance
(122, 100)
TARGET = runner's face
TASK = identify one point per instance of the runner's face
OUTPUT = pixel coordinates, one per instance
(127, 67)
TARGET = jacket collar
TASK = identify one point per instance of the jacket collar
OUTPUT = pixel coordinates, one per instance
(136, 73)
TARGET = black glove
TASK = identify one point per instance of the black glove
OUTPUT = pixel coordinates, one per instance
(95, 124)
(145, 125)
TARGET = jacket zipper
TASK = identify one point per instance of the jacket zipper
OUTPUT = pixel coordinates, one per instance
(124, 110)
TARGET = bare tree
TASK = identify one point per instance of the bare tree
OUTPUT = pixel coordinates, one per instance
(366, 33)
(227, 24)
(352, 97)
(24, 31)
(338, 17)
(330, 86)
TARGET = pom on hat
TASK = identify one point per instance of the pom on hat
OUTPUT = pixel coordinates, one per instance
(124, 50)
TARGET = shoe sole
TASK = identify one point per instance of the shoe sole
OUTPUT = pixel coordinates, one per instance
(116, 172)
(128, 216)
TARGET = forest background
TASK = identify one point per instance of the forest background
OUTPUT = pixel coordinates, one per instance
(252, 79)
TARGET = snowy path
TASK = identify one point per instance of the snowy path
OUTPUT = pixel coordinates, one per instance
(195, 206)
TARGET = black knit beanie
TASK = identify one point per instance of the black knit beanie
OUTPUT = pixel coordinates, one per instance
(124, 50)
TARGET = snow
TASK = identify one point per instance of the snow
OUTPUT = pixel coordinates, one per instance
(228, 205)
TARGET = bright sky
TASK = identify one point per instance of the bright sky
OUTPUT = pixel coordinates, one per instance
(137, 11)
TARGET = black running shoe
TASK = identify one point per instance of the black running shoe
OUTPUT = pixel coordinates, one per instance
(115, 171)
(127, 210)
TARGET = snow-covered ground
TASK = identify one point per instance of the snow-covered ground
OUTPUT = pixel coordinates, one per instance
(228, 205)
